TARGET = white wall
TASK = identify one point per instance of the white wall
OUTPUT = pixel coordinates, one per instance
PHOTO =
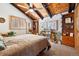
(6, 10)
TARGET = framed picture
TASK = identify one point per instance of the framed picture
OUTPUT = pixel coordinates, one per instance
(2, 20)
(68, 20)
(17, 23)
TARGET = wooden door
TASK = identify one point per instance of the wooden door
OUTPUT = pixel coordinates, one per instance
(68, 30)
(35, 27)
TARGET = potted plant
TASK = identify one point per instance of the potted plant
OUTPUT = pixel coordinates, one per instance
(11, 33)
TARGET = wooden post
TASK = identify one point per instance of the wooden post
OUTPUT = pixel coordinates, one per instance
(76, 29)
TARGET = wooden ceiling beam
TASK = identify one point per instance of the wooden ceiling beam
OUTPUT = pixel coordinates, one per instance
(71, 7)
(41, 10)
(39, 14)
(21, 11)
(33, 14)
(46, 7)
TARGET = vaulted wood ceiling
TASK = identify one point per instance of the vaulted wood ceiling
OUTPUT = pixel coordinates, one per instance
(41, 10)
(56, 8)
(24, 8)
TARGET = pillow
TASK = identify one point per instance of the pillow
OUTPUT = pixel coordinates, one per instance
(2, 45)
(1, 37)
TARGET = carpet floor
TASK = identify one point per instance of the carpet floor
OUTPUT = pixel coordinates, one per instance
(60, 50)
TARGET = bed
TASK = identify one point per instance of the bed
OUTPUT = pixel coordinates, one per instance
(24, 45)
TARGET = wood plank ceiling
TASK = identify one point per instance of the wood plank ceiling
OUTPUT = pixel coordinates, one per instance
(38, 10)
(56, 8)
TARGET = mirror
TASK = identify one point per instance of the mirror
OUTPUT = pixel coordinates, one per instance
(2, 20)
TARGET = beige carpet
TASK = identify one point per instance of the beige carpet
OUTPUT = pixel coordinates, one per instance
(60, 50)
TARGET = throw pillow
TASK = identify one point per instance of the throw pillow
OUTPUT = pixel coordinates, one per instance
(2, 45)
